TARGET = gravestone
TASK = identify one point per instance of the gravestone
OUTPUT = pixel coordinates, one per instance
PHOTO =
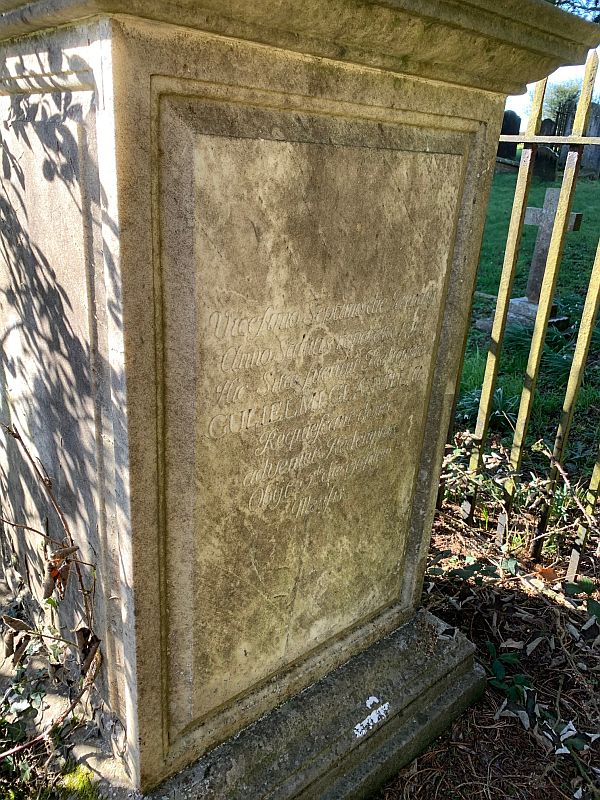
(548, 127)
(590, 160)
(546, 163)
(543, 218)
(511, 125)
(523, 310)
(234, 342)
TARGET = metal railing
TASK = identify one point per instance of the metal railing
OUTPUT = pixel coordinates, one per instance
(530, 140)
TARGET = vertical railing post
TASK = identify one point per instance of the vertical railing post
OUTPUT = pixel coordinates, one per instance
(511, 255)
(582, 347)
(583, 531)
(553, 261)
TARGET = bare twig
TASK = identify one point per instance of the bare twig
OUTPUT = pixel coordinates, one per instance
(29, 528)
(555, 463)
(45, 482)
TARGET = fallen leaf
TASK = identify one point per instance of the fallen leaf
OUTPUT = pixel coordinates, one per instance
(14, 623)
(512, 644)
(548, 574)
(532, 645)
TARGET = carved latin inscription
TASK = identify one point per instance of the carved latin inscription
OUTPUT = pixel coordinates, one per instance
(315, 426)
(302, 293)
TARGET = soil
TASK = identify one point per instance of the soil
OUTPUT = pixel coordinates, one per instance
(487, 754)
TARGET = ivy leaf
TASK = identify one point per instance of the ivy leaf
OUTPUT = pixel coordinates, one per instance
(593, 608)
(489, 570)
(435, 571)
(583, 586)
(441, 555)
(36, 699)
(515, 693)
(510, 565)
(586, 585)
(577, 743)
(19, 705)
(498, 669)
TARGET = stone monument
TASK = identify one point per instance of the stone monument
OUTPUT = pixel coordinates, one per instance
(543, 218)
(590, 160)
(523, 310)
(239, 244)
(511, 125)
(546, 163)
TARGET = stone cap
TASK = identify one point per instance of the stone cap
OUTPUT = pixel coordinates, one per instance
(496, 45)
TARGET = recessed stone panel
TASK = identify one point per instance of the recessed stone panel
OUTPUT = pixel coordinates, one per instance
(303, 268)
(260, 224)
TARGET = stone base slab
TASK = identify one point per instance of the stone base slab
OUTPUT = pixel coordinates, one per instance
(349, 733)
(522, 311)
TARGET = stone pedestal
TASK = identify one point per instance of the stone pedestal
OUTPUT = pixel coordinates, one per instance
(239, 244)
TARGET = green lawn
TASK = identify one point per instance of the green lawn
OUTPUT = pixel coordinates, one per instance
(579, 250)
(572, 285)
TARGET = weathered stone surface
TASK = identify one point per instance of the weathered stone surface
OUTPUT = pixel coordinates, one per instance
(295, 371)
(256, 267)
(478, 43)
(344, 736)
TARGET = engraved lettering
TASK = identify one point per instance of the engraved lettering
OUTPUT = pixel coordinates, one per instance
(331, 373)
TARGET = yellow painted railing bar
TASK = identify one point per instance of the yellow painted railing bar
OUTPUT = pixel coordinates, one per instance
(582, 534)
(582, 348)
(549, 140)
(582, 114)
(555, 252)
(542, 318)
(511, 255)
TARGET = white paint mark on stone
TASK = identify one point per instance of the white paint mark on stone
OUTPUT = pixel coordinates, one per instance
(368, 723)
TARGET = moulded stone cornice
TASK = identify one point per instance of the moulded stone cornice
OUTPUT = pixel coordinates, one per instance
(492, 45)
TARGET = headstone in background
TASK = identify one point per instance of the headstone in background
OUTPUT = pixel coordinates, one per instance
(231, 335)
(590, 160)
(511, 126)
(547, 157)
(546, 162)
(523, 310)
(565, 119)
(543, 218)
(547, 127)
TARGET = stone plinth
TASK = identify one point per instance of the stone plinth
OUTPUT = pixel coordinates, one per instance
(239, 247)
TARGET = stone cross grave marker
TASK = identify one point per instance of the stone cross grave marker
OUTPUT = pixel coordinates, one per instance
(544, 218)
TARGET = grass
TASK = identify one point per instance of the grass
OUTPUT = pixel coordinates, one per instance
(76, 783)
(580, 245)
(572, 285)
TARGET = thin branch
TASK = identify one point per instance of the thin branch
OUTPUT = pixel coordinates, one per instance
(11, 430)
(29, 528)
(32, 632)
(588, 517)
